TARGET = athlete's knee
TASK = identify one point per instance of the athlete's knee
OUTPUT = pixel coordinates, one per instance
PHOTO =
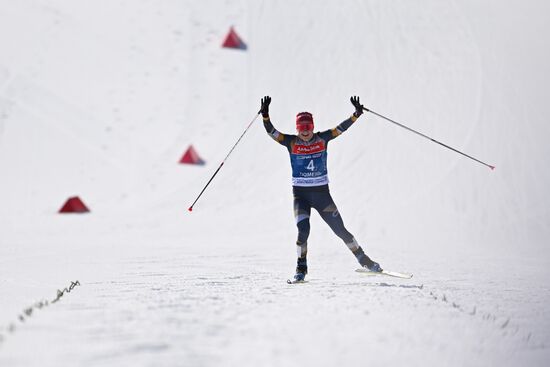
(334, 220)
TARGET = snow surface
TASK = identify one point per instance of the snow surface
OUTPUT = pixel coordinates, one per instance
(101, 98)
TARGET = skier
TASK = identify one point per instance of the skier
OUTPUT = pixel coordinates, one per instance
(308, 157)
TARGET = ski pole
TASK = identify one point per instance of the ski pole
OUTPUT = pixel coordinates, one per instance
(228, 154)
(427, 137)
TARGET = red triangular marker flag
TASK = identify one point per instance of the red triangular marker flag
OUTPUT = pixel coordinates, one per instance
(74, 205)
(232, 40)
(191, 157)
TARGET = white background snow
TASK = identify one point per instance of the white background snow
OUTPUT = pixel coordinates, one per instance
(101, 98)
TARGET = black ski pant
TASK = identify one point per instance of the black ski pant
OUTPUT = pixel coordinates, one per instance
(318, 198)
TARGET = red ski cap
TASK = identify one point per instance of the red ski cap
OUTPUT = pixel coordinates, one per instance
(304, 121)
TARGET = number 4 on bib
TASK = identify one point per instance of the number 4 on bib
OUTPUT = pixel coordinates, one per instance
(311, 166)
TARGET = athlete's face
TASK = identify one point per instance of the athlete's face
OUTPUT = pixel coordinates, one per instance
(305, 131)
(305, 135)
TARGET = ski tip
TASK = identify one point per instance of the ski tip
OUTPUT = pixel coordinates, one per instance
(288, 281)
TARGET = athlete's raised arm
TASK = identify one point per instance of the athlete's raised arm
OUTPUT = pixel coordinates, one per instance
(275, 134)
(344, 125)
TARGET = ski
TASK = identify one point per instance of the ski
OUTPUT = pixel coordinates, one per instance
(289, 281)
(395, 274)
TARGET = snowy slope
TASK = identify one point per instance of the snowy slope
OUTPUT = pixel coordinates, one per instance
(102, 99)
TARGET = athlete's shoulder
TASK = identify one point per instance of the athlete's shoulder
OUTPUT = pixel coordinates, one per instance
(325, 135)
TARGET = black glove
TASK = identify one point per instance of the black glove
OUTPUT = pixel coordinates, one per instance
(358, 106)
(264, 110)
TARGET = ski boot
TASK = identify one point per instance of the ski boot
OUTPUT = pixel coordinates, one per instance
(299, 277)
(368, 264)
(301, 270)
(374, 267)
